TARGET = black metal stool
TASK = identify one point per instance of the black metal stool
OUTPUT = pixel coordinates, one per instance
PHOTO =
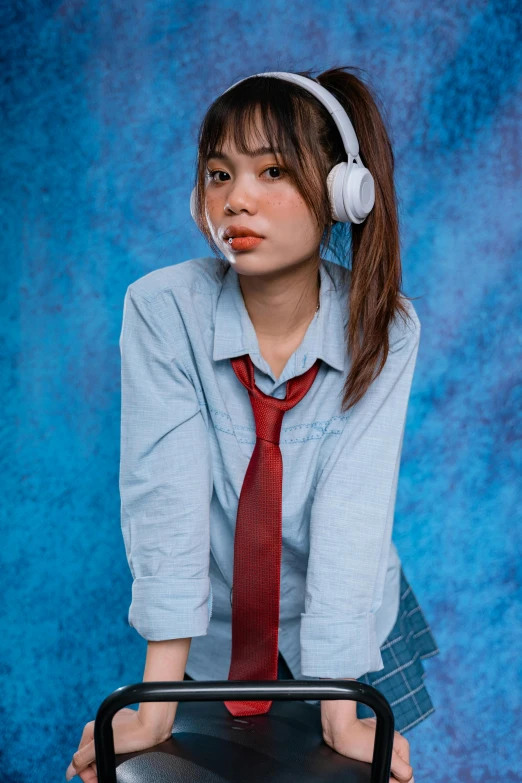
(209, 745)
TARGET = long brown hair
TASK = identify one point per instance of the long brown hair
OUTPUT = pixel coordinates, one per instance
(368, 254)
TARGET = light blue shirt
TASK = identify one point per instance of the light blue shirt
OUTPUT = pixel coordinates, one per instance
(187, 435)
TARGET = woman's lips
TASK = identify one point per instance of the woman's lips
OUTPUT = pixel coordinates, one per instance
(244, 243)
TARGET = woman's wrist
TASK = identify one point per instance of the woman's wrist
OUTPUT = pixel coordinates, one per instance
(158, 718)
(166, 661)
(337, 714)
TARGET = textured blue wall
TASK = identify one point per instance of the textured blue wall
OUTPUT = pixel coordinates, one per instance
(101, 102)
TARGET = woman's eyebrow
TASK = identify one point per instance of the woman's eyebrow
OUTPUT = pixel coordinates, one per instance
(253, 154)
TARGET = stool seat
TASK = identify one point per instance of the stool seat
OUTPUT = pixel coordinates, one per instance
(209, 745)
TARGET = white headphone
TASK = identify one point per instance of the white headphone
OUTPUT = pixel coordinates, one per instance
(351, 187)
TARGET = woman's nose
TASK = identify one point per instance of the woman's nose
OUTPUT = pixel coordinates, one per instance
(241, 196)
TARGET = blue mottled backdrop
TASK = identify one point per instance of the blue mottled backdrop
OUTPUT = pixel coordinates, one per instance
(100, 107)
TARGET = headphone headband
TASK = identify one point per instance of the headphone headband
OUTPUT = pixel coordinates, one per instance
(339, 115)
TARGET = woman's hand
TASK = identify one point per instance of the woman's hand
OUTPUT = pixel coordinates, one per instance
(130, 734)
(355, 738)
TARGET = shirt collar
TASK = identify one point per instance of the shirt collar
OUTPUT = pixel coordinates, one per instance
(234, 333)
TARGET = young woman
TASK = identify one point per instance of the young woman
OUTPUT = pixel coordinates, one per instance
(264, 400)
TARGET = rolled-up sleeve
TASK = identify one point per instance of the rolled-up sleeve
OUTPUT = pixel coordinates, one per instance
(352, 520)
(165, 476)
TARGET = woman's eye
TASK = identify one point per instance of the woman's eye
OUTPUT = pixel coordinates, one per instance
(271, 168)
(211, 174)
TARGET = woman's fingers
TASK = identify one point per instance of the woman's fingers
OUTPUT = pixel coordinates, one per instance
(401, 750)
(86, 738)
(89, 774)
(400, 768)
(87, 734)
(402, 746)
(82, 758)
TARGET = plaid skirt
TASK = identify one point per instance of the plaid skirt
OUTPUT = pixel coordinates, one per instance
(402, 680)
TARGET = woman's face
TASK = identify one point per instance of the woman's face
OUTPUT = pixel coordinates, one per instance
(254, 192)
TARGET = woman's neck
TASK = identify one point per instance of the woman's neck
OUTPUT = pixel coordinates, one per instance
(281, 305)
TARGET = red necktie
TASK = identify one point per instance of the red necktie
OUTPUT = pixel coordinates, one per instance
(258, 539)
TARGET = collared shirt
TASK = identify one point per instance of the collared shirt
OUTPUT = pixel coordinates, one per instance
(187, 435)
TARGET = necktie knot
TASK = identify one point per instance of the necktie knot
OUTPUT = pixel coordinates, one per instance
(268, 418)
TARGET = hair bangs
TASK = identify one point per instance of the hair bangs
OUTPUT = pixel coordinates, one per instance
(256, 113)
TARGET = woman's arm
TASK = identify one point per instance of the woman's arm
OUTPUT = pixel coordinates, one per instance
(352, 519)
(165, 489)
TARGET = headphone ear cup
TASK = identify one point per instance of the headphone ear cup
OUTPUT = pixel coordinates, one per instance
(351, 193)
(193, 204)
(360, 193)
(334, 187)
